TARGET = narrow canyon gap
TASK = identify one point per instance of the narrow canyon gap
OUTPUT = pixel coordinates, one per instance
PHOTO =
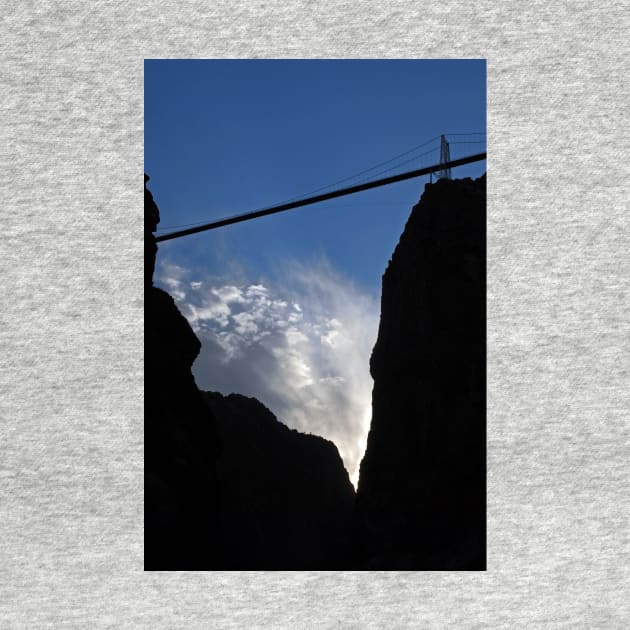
(227, 486)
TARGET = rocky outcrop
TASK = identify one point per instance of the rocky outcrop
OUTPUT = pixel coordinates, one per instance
(285, 500)
(227, 486)
(180, 438)
(151, 220)
(421, 496)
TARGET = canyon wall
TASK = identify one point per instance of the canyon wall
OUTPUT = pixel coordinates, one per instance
(421, 501)
(227, 486)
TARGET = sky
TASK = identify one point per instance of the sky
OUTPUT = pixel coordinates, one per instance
(287, 306)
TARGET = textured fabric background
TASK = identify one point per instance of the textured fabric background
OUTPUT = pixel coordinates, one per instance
(71, 332)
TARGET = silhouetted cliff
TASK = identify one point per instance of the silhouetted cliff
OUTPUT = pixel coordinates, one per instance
(180, 439)
(421, 501)
(285, 499)
(227, 486)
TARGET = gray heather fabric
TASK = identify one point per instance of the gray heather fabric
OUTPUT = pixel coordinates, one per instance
(71, 332)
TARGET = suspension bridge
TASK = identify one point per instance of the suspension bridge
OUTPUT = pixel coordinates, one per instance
(441, 169)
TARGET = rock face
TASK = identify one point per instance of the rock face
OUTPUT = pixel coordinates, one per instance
(285, 500)
(227, 486)
(421, 501)
(181, 443)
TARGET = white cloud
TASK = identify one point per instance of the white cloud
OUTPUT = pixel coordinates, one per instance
(218, 312)
(294, 336)
(302, 348)
(245, 324)
(229, 294)
(256, 290)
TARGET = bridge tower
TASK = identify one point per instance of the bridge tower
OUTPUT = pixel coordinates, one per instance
(445, 157)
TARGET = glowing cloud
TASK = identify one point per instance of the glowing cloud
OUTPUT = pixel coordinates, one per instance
(302, 349)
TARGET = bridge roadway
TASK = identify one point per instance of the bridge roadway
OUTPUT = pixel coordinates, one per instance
(324, 197)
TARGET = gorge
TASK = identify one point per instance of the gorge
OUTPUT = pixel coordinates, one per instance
(229, 487)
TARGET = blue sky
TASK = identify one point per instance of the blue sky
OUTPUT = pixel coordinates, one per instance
(224, 137)
(229, 136)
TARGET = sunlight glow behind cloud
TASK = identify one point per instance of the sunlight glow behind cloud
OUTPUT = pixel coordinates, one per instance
(302, 348)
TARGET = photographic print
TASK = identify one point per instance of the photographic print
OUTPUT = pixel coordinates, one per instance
(315, 315)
